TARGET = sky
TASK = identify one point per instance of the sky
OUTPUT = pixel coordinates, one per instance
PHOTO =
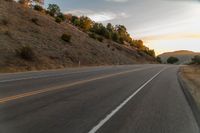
(163, 25)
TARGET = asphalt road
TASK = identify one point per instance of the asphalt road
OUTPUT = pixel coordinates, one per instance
(116, 99)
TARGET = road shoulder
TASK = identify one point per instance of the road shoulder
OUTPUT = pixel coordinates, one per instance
(190, 88)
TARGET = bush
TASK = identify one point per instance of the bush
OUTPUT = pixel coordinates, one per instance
(158, 59)
(61, 16)
(58, 20)
(172, 60)
(92, 35)
(66, 37)
(5, 22)
(38, 8)
(196, 59)
(35, 21)
(100, 39)
(26, 53)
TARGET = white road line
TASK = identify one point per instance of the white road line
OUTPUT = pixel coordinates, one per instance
(32, 93)
(102, 122)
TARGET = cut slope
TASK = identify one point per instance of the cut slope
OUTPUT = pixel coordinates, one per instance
(18, 28)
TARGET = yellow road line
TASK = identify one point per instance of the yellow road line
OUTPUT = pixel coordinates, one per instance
(27, 94)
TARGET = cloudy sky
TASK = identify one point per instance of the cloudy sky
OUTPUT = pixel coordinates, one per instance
(164, 25)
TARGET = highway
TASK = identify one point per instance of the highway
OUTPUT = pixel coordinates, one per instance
(108, 99)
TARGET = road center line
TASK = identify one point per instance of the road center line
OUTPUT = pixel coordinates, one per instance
(103, 121)
(32, 93)
(47, 76)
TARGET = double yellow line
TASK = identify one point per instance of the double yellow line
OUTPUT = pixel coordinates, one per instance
(32, 93)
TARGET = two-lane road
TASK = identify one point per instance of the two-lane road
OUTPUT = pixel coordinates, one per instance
(116, 99)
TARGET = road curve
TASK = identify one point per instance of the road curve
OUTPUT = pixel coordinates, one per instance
(116, 99)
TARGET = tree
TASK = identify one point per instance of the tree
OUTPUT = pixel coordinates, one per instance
(85, 23)
(172, 60)
(110, 28)
(196, 59)
(53, 10)
(115, 37)
(158, 59)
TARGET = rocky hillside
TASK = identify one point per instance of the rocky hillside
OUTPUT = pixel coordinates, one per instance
(184, 56)
(31, 40)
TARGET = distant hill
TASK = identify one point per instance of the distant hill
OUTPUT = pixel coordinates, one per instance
(184, 56)
(20, 26)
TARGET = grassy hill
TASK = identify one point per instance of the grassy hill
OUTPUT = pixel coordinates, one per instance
(22, 27)
(184, 56)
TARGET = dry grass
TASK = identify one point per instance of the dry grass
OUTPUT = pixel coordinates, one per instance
(191, 75)
(21, 26)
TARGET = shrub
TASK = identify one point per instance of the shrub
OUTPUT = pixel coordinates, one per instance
(172, 60)
(58, 20)
(92, 35)
(196, 59)
(100, 39)
(5, 22)
(38, 8)
(35, 21)
(26, 53)
(66, 37)
(61, 16)
(158, 59)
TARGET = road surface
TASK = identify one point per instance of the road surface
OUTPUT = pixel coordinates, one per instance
(115, 99)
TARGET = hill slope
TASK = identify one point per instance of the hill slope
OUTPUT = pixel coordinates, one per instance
(21, 26)
(184, 56)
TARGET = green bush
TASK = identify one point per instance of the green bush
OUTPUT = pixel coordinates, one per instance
(92, 35)
(100, 39)
(38, 8)
(26, 53)
(172, 60)
(58, 20)
(66, 37)
(196, 59)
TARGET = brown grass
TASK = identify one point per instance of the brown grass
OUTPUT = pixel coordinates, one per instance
(191, 75)
(20, 26)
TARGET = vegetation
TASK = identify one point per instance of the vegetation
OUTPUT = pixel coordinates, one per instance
(38, 8)
(97, 31)
(66, 37)
(58, 20)
(196, 59)
(53, 10)
(26, 53)
(35, 21)
(100, 39)
(172, 60)
(158, 59)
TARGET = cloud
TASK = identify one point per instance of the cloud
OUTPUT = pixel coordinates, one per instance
(173, 36)
(98, 16)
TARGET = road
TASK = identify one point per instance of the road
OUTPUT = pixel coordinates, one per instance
(115, 99)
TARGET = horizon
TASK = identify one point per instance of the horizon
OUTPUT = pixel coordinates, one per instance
(163, 25)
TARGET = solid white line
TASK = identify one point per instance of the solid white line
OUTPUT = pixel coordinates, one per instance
(102, 122)
(32, 93)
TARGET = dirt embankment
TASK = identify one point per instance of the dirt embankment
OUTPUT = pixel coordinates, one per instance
(21, 27)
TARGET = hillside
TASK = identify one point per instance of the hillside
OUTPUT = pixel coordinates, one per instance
(184, 56)
(20, 26)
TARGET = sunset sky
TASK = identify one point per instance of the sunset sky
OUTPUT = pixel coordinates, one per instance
(164, 25)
